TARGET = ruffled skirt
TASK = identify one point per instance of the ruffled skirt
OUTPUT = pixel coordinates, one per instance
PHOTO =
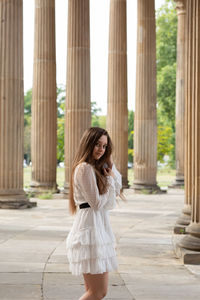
(91, 243)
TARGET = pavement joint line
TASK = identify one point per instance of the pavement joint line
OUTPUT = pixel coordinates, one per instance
(125, 285)
(43, 272)
(18, 234)
(138, 276)
(127, 230)
(189, 271)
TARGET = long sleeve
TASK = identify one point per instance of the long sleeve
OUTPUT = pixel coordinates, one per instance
(86, 180)
(117, 179)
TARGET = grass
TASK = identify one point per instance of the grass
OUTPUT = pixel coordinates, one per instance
(60, 177)
(45, 196)
(165, 177)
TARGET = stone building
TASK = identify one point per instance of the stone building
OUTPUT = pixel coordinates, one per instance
(78, 115)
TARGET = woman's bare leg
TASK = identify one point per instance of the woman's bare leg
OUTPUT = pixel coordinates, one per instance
(86, 284)
(97, 286)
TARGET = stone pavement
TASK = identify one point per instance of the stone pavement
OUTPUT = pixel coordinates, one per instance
(33, 263)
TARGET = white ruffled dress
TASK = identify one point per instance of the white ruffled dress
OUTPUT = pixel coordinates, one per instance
(91, 242)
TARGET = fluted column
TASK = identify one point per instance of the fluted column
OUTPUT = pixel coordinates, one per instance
(145, 134)
(185, 218)
(180, 94)
(117, 115)
(12, 194)
(192, 240)
(78, 108)
(44, 107)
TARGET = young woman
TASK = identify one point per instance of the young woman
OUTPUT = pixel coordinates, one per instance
(95, 182)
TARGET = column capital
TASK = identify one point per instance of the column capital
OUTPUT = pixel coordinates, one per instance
(180, 7)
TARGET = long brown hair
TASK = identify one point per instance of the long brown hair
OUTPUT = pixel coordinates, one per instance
(85, 154)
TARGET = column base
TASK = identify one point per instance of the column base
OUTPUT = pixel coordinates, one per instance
(180, 229)
(183, 221)
(41, 188)
(177, 184)
(66, 189)
(192, 240)
(147, 189)
(186, 256)
(182, 224)
(125, 184)
(15, 201)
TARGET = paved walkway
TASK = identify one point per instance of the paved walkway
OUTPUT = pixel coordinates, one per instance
(33, 263)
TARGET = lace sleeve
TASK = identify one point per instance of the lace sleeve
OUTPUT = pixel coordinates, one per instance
(117, 179)
(86, 179)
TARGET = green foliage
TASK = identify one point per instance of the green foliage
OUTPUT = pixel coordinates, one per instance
(130, 135)
(94, 109)
(27, 102)
(60, 139)
(30, 194)
(166, 92)
(166, 84)
(166, 39)
(166, 34)
(130, 154)
(102, 122)
(44, 196)
(27, 125)
(95, 115)
(27, 142)
(60, 101)
(60, 123)
(164, 142)
(130, 128)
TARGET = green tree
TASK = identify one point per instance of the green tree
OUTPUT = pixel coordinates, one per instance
(166, 34)
(102, 122)
(60, 139)
(130, 134)
(60, 101)
(27, 102)
(166, 85)
(60, 123)
(95, 114)
(166, 37)
(61, 92)
(164, 142)
(27, 125)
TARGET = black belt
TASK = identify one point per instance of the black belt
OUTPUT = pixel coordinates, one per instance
(84, 205)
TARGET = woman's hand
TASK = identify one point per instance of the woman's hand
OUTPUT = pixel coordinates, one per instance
(108, 172)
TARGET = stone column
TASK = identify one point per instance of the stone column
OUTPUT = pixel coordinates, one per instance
(145, 135)
(78, 108)
(44, 106)
(192, 240)
(12, 194)
(180, 94)
(117, 115)
(185, 218)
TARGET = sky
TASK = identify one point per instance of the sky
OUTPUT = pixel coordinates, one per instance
(99, 32)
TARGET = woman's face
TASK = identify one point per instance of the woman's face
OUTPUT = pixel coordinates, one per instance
(100, 147)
